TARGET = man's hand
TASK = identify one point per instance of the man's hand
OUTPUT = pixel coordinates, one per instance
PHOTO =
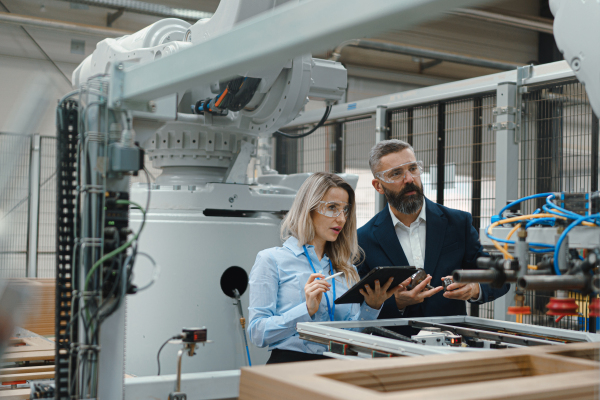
(461, 291)
(417, 295)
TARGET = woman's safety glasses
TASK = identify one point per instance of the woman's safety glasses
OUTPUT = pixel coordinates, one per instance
(398, 173)
(333, 208)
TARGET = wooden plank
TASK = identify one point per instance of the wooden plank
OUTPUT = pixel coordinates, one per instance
(44, 355)
(27, 376)
(26, 370)
(15, 394)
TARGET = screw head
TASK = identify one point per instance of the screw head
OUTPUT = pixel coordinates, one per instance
(576, 64)
(120, 67)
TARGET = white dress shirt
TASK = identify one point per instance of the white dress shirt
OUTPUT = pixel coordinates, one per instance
(412, 240)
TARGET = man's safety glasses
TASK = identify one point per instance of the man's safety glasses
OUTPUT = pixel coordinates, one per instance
(398, 173)
(333, 208)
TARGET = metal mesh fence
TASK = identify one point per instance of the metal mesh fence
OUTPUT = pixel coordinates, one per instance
(359, 138)
(467, 144)
(418, 127)
(15, 153)
(46, 254)
(558, 152)
(314, 153)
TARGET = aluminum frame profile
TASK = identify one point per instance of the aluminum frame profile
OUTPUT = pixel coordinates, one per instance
(292, 29)
(484, 84)
(397, 48)
(141, 7)
(543, 25)
(332, 331)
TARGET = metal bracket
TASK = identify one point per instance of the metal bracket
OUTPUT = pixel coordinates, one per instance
(115, 93)
(237, 171)
(523, 73)
(505, 110)
(430, 64)
(501, 126)
(112, 17)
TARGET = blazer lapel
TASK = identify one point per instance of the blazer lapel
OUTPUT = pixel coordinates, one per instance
(436, 230)
(385, 233)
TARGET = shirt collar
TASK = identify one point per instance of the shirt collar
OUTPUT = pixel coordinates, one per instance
(395, 221)
(292, 244)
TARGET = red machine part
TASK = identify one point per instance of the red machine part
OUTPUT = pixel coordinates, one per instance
(519, 310)
(595, 308)
(562, 307)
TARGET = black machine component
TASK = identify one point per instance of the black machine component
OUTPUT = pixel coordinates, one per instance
(193, 335)
(42, 390)
(116, 230)
(495, 271)
(579, 203)
(417, 278)
(447, 282)
(234, 97)
(579, 277)
(68, 136)
(383, 332)
(475, 343)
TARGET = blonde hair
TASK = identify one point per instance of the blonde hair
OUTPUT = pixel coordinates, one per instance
(298, 222)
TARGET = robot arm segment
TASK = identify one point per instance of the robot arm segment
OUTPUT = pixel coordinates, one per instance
(576, 31)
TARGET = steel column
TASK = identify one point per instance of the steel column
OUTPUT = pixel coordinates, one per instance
(595, 148)
(338, 148)
(441, 152)
(34, 206)
(477, 158)
(507, 169)
(381, 133)
(410, 125)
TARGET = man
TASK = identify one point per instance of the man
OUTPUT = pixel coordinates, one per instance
(412, 230)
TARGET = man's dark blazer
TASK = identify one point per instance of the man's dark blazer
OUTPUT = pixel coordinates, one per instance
(451, 243)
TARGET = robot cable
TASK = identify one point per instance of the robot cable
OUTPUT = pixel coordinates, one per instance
(320, 124)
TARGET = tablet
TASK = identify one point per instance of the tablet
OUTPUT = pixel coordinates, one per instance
(400, 274)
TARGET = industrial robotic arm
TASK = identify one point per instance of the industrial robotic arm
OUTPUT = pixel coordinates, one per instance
(214, 136)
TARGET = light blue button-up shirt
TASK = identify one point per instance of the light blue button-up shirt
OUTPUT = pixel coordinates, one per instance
(278, 301)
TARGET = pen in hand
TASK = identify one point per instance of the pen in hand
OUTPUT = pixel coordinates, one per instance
(333, 276)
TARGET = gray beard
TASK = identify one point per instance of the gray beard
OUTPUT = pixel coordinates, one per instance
(409, 205)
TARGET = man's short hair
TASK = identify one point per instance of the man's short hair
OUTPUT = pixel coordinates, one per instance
(384, 148)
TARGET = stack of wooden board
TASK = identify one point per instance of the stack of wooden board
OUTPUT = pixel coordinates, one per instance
(548, 372)
(39, 308)
(23, 352)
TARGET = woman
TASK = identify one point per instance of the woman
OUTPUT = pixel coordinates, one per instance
(286, 283)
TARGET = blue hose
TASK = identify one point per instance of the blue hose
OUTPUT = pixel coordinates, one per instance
(248, 353)
(533, 196)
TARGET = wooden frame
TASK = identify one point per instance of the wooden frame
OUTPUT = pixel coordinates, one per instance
(548, 372)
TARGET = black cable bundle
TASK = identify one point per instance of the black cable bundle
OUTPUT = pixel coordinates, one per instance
(238, 94)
